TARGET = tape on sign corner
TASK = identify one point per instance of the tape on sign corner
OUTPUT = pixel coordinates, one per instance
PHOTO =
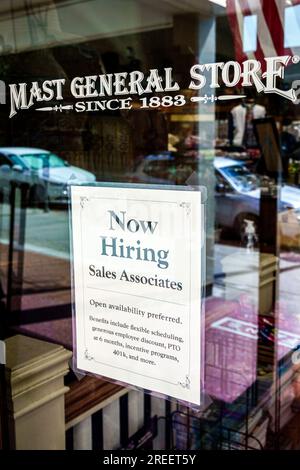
(77, 374)
(2, 352)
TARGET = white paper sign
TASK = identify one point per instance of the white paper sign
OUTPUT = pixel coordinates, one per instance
(137, 287)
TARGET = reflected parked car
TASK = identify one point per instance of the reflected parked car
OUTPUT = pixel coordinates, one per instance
(238, 195)
(47, 175)
(237, 189)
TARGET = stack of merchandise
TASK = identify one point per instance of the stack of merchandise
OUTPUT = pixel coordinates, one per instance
(284, 394)
(197, 430)
(245, 421)
(241, 424)
(296, 388)
(253, 439)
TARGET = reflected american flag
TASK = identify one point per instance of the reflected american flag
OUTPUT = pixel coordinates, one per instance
(270, 27)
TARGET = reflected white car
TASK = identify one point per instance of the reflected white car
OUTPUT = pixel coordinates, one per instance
(238, 195)
(47, 175)
(237, 191)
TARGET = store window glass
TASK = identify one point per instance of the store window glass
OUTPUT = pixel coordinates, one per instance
(250, 33)
(291, 26)
(232, 127)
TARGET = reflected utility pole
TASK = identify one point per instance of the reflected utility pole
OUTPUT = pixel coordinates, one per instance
(267, 347)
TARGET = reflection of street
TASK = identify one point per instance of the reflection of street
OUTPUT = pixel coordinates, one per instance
(47, 242)
(289, 275)
(46, 277)
(46, 232)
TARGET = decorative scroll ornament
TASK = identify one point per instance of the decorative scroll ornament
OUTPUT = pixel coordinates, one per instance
(212, 98)
(83, 200)
(87, 355)
(56, 108)
(187, 206)
(186, 383)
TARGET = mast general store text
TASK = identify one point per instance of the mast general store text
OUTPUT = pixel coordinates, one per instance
(212, 75)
